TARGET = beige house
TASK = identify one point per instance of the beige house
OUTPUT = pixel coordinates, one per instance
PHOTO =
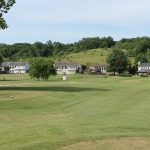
(66, 67)
(98, 69)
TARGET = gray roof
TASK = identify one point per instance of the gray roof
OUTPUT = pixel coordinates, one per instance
(99, 65)
(66, 63)
(14, 63)
(144, 65)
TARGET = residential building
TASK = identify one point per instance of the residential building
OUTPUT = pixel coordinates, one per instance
(16, 67)
(98, 69)
(66, 67)
(143, 68)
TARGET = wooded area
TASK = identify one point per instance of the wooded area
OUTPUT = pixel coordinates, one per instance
(39, 49)
(134, 47)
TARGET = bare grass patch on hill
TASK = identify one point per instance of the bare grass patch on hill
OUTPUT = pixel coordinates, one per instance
(132, 81)
(137, 143)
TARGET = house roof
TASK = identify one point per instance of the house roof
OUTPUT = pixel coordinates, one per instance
(144, 65)
(99, 65)
(14, 63)
(66, 63)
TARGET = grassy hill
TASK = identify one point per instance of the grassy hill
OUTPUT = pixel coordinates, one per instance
(83, 113)
(94, 56)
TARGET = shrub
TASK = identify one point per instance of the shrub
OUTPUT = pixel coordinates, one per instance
(144, 75)
(102, 54)
(125, 75)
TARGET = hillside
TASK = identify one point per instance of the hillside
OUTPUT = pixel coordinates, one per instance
(80, 52)
(93, 56)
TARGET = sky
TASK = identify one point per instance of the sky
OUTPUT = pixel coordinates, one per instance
(68, 21)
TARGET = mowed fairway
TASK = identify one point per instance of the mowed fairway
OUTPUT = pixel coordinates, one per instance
(82, 113)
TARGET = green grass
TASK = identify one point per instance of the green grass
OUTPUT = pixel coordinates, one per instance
(94, 56)
(55, 114)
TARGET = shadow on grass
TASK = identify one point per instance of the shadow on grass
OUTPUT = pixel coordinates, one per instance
(53, 89)
(2, 80)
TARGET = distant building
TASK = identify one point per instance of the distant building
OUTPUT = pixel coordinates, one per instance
(143, 68)
(16, 67)
(66, 67)
(98, 69)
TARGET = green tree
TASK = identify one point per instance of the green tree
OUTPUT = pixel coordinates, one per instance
(132, 70)
(41, 68)
(134, 46)
(6, 68)
(5, 5)
(117, 61)
(148, 55)
(1, 59)
(142, 58)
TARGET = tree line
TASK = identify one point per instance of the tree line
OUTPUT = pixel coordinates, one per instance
(134, 47)
(39, 49)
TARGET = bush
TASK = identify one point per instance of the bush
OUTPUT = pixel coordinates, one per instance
(144, 75)
(125, 75)
(102, 54)
(41, 68)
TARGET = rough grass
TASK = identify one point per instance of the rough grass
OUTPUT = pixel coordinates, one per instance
(55, 114)
(94, 56)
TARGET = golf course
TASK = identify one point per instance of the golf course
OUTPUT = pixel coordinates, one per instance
(86, 112)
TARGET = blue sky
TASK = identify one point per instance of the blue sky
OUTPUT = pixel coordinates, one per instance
(70, 20)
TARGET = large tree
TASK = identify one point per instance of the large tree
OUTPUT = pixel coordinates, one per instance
(41, 68)
(5, 5)
(117, 61)
(143, 58)
(1, 59)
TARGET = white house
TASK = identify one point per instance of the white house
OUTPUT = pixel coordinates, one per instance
(98, 69)
(143, 68)
(16, 67)
(67, 67)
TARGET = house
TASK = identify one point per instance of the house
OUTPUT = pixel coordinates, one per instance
(66, 67)
(143, 68)
(98, 69)
(16, 67)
